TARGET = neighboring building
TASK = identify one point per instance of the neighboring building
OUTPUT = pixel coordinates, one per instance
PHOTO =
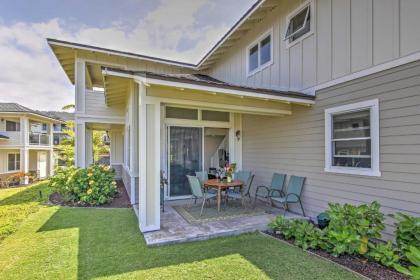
(26, 141)
(59, 132)
(326, 89)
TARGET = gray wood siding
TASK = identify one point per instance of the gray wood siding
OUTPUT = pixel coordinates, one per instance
(95, 106)
(350, 36)
(295, 145)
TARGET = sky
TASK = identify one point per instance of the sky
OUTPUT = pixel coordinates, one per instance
(175, 29)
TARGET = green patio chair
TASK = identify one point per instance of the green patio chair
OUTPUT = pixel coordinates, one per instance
(276, 188)
(197, 192)
(293, 195)
(243, 176)
(202, 177)
(238, 194)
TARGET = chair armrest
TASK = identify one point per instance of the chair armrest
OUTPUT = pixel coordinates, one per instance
(292, 194)
(272, 192)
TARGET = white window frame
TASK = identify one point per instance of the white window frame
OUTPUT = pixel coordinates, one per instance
(13, 121)
(373, 106)
(296, 11)
(258, 42)
(17, 155)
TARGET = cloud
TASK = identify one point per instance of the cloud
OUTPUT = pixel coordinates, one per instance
(34, 78)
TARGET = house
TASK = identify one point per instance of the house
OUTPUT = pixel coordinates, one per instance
(329, 90)
(26, 141)
(59, 129)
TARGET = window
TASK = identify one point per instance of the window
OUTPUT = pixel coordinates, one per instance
(214, 116)
(260, 53)
(13, 162)
(181, 113)
(352, 139)
(44, 127)
(299, 23)
(12, 126)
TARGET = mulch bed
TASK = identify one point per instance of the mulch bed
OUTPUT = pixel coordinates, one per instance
(121, 200)
(356, 263)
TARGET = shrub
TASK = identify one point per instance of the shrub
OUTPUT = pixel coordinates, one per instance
(384, 253)
(413, 255)
(351, 227)
(407, 232)
(305, 234)
(94, 185)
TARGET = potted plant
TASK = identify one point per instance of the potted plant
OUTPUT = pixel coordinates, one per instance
(229, 170)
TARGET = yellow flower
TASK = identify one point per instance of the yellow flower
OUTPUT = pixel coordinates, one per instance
(114, 183)
(90, 174)
(106, 168)
(91, 182)
(89, 191)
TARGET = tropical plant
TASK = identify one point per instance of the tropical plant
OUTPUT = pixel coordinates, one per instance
(413, 255)
(407, 232)
(384, 253)
(351, 227)
(94, 185)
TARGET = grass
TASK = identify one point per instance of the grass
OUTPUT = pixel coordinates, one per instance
(17, 203)
(75, 243)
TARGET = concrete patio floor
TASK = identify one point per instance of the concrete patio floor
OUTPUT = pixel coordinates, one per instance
(175, 229)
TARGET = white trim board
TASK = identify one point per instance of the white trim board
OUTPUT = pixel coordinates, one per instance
(373, 106)
(366, 72)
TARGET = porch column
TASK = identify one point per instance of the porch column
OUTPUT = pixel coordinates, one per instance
(24, 128)
(24, 163)
(89, 146)
(80, 148)
(51, 162)
(149, 165)
(237, 139)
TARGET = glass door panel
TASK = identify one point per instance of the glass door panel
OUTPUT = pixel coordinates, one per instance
(185, 157)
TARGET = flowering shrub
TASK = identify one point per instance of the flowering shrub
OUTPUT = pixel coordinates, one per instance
(94, 185)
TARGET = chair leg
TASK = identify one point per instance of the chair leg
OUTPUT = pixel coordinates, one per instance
(202, 206)
(284, 209)
(301, 207)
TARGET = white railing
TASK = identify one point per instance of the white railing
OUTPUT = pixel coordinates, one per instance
(39, 139)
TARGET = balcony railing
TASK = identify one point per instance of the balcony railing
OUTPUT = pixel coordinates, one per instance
(39, 139)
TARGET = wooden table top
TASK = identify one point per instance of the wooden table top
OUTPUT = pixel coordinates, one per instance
(216, 183)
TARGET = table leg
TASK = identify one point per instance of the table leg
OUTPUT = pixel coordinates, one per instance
(219, 198)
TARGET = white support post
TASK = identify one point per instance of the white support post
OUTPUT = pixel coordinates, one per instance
(149, 166)
(80, 147)
(24, 163)
(237, 147)
(80, 85)
(88, 147)
(24, 128)
(51, 162)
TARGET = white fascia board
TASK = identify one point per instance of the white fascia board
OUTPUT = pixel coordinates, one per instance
(110, 52)
(161, 82)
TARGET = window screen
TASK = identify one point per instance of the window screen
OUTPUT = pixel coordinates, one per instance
(181, 113)
(299, 25)
(253, 58)
(351, 143)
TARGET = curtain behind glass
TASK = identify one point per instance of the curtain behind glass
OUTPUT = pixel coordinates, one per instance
(185, 157)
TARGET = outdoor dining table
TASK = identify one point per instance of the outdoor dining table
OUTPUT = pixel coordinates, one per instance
(222, 185)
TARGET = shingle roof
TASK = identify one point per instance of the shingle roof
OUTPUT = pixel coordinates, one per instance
(17, 108)
(64, 116)
(206, 80)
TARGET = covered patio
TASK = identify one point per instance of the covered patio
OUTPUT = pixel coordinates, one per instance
(187, 123)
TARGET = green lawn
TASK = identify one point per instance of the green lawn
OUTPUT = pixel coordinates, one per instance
(74, 243)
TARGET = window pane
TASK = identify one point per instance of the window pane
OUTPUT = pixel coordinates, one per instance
(181, 113)
(253, 58)
(352, 147)
(12, 126)
(352, 125)
(17, 161)
(215, 116)
(11, 162)
(352, 162)
(265, 52)
(297, 22)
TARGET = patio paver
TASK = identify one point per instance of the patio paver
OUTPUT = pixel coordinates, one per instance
(175, 229)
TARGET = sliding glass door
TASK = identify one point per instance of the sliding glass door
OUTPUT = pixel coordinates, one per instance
(184, 158)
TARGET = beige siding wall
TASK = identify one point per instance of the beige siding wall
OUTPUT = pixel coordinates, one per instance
(349, 36)
(96, 106)
(295, 145)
